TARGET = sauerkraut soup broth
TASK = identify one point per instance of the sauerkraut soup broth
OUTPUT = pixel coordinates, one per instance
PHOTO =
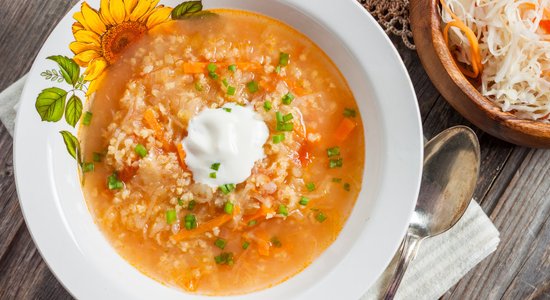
(188, 225)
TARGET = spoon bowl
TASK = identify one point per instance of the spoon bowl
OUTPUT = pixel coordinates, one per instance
(449, 177)
(451, 168)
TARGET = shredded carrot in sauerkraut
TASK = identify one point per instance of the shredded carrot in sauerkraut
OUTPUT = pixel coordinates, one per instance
(506, 44)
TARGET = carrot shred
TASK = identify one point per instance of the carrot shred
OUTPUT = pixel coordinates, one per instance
(263, 243)
(295, 87)
(194, 67)
(181, 155)
(304, 154)
(248, 66)
(127, 173)
(475, 54)
(263, 247)
(545, 25)
(344, 129)
(152, 122)
(260, 213)
(208, 226)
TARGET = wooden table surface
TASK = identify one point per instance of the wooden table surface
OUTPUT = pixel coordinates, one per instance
(513, 189)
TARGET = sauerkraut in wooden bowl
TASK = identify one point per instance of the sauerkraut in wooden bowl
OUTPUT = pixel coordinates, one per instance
(490, 61)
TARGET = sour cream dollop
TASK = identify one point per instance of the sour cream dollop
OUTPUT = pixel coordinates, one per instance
(232, 136)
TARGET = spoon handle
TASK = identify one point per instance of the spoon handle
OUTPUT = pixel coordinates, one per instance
(407, 251)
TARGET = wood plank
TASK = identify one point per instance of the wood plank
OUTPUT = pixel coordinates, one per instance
(25, 25)
(533, 279)
(25, 275)
(10, 214)
(520, 216)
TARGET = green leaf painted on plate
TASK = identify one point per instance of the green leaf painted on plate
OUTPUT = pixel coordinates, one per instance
(186, 10)
(68, 67)
(50, 104)
(73, 110)
(72, 144)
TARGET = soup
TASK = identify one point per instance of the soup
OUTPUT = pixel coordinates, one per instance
(180, 228)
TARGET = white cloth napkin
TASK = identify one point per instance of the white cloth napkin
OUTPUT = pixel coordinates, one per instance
(441, 260)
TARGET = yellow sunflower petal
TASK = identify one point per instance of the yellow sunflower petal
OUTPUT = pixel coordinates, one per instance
(118, 10)
(95, 68)
(159, 16)
(79, 17)
(144, 18)
(106, 13)
(95, 84)
(84, 58)
(78, 47)
(76, 27)
(92, 19)
(130, 5)
(142, 8)
(86, 36)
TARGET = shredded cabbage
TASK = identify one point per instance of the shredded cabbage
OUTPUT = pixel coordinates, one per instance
(515, 52)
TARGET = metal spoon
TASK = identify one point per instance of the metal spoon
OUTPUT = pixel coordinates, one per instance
(451, 168)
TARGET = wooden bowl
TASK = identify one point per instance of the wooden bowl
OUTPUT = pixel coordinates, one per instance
(458, 91)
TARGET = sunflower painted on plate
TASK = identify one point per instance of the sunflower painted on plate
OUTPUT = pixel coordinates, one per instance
(100, 36)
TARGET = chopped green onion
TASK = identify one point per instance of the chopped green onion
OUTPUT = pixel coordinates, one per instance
(347, 187)
(337, 180)
(287, 99)
(140, 150)
(180, 202)
(228, 208)
(198, 86)
(285, 126)
(87, 118)
(212, 175)
(227, 109)
(215, 166)
(227, 188)
(87, 167)
(171, 216)
(225, 258)
(283, 210)
(276, 242)
(304, 200)
(252, 222)
(335, 163)
(310, 186)
(334, 151)
(277, 138)
(231, 90)
(211, 67)
(114, 183)
(267, 106)
(288, 117)
(349, 112)
(213, 75)
(278, 69)
(190, 222)
(279, 117)
(191, 205)
(321, 217)
(220, 243)
(232, 68)
(245, 245)
(283, 59)
(252, 86)
(225, 83)
(97, 157)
